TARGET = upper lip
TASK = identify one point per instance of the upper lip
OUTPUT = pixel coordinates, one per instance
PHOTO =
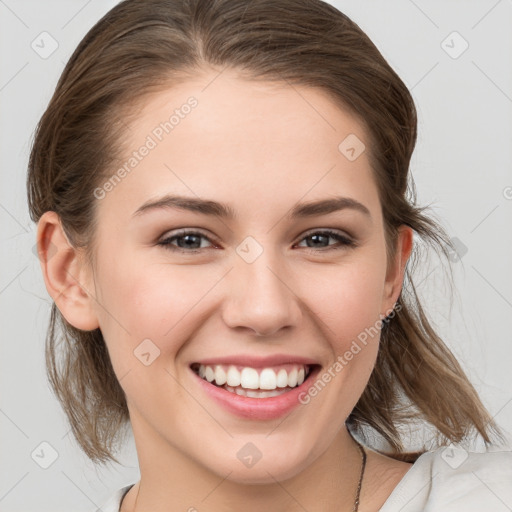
(257, 361)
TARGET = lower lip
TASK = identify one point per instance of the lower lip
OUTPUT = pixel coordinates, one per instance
(257, 408)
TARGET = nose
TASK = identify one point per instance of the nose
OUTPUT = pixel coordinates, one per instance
(261, 297)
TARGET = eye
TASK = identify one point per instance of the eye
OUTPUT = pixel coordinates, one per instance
(191, 241)
(319, 238)
(187, 241)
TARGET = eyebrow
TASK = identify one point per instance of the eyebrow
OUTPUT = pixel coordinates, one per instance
(214, 208)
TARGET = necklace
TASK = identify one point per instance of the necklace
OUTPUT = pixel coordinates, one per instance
(358, 491)
(363, 466)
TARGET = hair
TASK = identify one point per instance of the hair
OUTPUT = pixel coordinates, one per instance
(143, 46)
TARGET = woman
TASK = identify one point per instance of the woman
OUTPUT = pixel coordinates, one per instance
(226, 230)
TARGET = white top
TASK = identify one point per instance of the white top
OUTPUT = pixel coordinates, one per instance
(448, 479)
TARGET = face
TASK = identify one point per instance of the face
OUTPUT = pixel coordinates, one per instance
(256, 290)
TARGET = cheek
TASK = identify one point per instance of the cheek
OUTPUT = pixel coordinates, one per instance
(152, 301)
(347, 299)
(150, 309)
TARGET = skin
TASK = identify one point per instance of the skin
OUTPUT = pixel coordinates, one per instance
(260, 147)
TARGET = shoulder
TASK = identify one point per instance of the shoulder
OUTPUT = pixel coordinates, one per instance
(451, 478)
(113, 503)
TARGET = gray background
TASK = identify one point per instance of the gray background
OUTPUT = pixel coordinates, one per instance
(462, 165)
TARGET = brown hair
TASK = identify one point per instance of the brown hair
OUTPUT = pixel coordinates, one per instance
(143, 45)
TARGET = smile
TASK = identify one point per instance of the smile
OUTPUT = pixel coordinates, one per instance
(252, 382)
(264, 391)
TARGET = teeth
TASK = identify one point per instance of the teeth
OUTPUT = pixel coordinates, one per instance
(255, 394)
(292, 378)
(282, 379)
(220, 375)
(250, 379)
(209, 374)
(233, 377)
(268, 379)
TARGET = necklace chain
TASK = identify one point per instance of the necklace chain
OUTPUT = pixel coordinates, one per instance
(363, 466)
(359, 485)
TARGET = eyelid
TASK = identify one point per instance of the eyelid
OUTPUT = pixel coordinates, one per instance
(172, 234)
(186, 231)
(332, 231)
(344, 239)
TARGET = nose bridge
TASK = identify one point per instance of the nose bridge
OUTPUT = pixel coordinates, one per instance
(260, 296)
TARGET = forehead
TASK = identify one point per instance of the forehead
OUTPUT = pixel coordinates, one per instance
(244, 140)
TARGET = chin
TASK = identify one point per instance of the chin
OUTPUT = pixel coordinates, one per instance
(263, 465)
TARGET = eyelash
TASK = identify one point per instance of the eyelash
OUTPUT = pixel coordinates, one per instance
(344, 242)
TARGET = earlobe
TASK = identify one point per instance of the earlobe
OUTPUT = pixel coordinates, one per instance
(64, 273)
(395, 277)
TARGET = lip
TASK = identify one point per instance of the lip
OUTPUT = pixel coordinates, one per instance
(258, 362)
(256, 408)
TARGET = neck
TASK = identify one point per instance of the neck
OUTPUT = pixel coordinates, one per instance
(170, 481)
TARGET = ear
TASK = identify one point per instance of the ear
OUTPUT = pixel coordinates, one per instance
(65, 273)
(396, 269)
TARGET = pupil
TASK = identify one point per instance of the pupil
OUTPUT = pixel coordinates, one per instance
(188, 238)
(316, 237)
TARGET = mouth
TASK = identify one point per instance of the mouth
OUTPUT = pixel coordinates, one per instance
(256, 383)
